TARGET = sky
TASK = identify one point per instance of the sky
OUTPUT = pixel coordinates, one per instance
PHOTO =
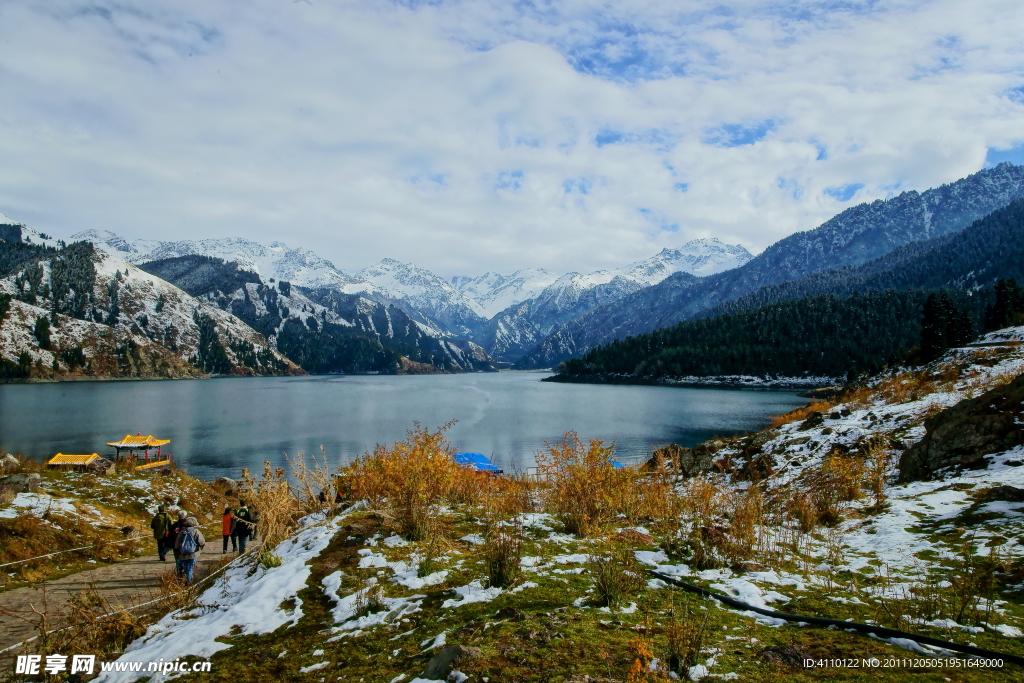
(481, 135)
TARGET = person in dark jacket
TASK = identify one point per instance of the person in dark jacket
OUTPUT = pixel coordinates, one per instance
(161, 526)
(175, 530)
(243, 523)
(227, 527)
(188, 544)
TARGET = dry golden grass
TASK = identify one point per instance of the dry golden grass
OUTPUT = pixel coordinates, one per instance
(276, 506)
(799, 414)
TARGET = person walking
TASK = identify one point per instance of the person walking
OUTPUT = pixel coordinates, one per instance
(189, 544)
(173, 538)
(254, 518)
(161, 526)
(243, 522)
(227, 527)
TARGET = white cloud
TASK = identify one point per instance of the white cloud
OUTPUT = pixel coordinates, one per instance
(474, 135)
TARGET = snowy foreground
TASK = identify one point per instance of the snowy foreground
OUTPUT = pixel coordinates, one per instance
(315, 603)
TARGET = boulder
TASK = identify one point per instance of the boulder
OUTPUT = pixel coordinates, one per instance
(225, 485)
(689, 462)
(101, 466)
(9, 463)
(510, 613)
(815, 419)
(440, 665)
(129, 532)
(961, 436)
(21, 483)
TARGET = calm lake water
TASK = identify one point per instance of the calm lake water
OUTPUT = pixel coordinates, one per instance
(218, 426)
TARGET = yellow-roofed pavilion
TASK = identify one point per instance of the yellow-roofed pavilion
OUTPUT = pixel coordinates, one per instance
(141, 443)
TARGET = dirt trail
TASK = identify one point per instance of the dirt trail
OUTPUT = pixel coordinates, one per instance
(125, 583)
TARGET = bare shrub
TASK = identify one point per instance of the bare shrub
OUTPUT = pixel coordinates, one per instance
(502, 550)
(272, 497)
(584, 489)
(686, 634)
(312, 482)
(616, 576)
(410, 478)
(369, 599)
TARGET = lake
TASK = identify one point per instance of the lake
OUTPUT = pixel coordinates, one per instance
(218, 426)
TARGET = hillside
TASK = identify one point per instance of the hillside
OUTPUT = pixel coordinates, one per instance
(81, 311)
(323, 330)
(856, 236)
(858, 510)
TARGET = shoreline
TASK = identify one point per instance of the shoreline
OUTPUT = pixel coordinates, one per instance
(710, 382)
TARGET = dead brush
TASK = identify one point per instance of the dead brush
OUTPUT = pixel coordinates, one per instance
(616, 576)
(800, 414)
(502, 551)
(273, 500)
(964, 591)
(96, 625)
(821, 493)
(585, 491)
(369, 599)
(409, 478)
(686, 634)
(312, 481)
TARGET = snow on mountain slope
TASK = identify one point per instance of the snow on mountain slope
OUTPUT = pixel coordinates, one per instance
(424, 292)
(125, 303)
(697, 257)
(494, 292)
(278, 261)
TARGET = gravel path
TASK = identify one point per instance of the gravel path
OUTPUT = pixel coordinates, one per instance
(125, 583)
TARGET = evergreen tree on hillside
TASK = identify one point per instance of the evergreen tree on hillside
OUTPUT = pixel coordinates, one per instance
(943, 326)
(42, 332)
(210, 354)
(1006, 309)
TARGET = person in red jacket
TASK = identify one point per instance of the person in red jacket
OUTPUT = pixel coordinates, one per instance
(227, 526)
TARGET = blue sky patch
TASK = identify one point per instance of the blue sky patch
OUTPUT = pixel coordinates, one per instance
(843, 193)
(681, 187)
(1015, 155)
(580, 185)
(737, 134)
(509, 180)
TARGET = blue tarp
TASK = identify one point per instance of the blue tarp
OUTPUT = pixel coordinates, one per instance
(478, 461)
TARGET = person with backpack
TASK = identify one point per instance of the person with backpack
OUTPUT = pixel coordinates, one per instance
(227, 527)
(161, 526)
(188, 545)
(243, 524)
(173, 536)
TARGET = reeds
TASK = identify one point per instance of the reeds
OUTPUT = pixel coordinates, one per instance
(502, 550)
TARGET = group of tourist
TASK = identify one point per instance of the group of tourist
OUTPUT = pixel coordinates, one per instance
(185, 539)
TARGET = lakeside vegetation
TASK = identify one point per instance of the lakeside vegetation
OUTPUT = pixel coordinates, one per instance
(546, 578)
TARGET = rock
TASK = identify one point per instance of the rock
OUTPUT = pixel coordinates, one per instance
(129, 532)
(101, 466)
(510, 613)
(225, 485)
(791, 655)
(1010, 494)
(440, 665)
(689, 462)
(961, 436)
(634, 536)
(815, 419)
(747, 566)
(9, 463)
(21, 483)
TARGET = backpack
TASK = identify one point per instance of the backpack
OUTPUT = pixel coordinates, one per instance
(188, 543)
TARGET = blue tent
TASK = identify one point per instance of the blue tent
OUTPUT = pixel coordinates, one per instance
(478, 461)
(616, 463)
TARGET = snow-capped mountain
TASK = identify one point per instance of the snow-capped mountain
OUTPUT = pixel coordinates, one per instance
(494, 292)
(697, 257)
(278, 261)
(420, 293)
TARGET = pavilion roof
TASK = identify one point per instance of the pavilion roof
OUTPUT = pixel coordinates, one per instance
(138, 442)
(65, 459)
